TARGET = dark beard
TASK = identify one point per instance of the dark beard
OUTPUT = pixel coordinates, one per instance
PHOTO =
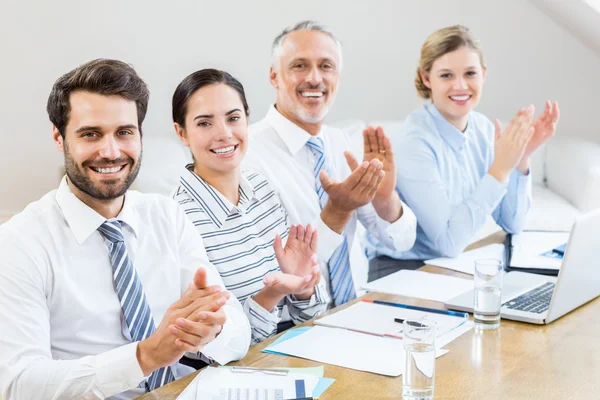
(110, 190)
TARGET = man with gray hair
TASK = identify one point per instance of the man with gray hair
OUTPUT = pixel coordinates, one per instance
(319, 181)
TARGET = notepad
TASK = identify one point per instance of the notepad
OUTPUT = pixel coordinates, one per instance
(378, 319)
(531, 250)
(420, 285)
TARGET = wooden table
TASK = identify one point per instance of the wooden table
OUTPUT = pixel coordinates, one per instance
(517, 361)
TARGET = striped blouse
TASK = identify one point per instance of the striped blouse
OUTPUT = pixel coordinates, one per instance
(239, 242)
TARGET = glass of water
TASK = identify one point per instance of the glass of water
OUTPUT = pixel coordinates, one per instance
(487, 299)
(419, 367)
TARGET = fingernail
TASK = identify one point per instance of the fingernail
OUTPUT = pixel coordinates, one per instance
(365, 165)
(180, 322)
(174, 330)
(217, 289)
(314, 258)
(222, 300)
(316, 269)
(308, 278)
(381, 173)
(202, 315)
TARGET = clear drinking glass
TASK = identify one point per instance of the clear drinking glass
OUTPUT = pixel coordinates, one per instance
(419, 367)
(487, 298)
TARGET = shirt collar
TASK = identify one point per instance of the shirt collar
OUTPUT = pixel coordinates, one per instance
(216, 206)
(83, 220)
(455, 138)
(292, 135)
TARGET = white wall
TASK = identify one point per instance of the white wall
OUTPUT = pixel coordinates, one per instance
(530, 58)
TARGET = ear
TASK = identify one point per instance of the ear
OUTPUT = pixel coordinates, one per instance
(273, 77)
(425, 78)
(181, 134)
(58, 139)
(483, 73)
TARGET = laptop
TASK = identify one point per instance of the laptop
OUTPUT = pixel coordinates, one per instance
(540, 299)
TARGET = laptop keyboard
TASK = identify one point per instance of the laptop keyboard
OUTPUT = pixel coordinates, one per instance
(536, 300)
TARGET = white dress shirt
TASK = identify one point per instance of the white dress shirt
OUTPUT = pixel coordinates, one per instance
(277, 150)
(239, 242)
(63, 334)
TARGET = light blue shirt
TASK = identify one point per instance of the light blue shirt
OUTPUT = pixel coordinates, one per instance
(442, 176)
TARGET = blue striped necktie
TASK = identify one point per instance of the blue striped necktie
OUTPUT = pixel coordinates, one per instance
(135, 307)
(340, 275)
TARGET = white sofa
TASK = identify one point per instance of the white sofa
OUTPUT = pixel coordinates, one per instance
(566, 174)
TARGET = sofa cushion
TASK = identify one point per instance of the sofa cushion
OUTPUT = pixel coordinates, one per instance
(550, 212)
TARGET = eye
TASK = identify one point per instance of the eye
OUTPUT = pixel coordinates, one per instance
(299, 66)
(124, 133)
(234, 118)
(471, 73)
(203, 123)
(89, 134)
(445, 76)
(327, 66)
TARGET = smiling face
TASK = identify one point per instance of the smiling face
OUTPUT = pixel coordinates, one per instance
(216, 130)
(456, 82)
(306, 77)
(102, 144)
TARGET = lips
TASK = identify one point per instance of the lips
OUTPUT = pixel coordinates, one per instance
(225, 150)
(108, 170)
(460, 98)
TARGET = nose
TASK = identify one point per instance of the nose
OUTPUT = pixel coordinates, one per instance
(223, 131)
(314, 76)
(460, 84)
(109, 148)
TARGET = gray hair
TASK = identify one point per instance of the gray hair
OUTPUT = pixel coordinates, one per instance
(307, 25)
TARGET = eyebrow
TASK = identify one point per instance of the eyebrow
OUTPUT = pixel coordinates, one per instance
(449, 70)
(98, 128)
(212, 115)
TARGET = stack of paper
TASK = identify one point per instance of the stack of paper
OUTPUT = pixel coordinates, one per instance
(226, 384)
(378, 352)
(466, 261)
(420, 285)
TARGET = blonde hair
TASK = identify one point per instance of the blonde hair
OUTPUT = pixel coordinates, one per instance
(440, 42)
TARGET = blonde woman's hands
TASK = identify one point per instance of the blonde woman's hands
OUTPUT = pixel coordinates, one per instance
(510, 145)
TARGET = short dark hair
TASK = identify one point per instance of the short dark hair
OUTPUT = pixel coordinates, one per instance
(196, 81)
(101, 76)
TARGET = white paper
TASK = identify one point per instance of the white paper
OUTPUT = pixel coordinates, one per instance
(528, 248)
(466, 261)
(420, 285)
(378, 319)
(345, 348)
(214, 383)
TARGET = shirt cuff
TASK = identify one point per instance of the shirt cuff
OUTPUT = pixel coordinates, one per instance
(269, 317)
(403, 231)
(329, 240)
(523, 181)
(489, 193)
(319, 297)
(233, 341)
(118, 370)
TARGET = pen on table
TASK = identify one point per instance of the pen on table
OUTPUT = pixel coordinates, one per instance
(408, 307)
(418, 325)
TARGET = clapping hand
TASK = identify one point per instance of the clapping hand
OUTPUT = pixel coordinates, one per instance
(300, 271)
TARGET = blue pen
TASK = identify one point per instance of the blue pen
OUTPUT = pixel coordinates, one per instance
(417, 308)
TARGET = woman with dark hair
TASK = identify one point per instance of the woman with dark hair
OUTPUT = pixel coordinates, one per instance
(240, 218)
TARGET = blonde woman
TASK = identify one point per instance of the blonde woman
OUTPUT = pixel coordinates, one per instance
(455, 167)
